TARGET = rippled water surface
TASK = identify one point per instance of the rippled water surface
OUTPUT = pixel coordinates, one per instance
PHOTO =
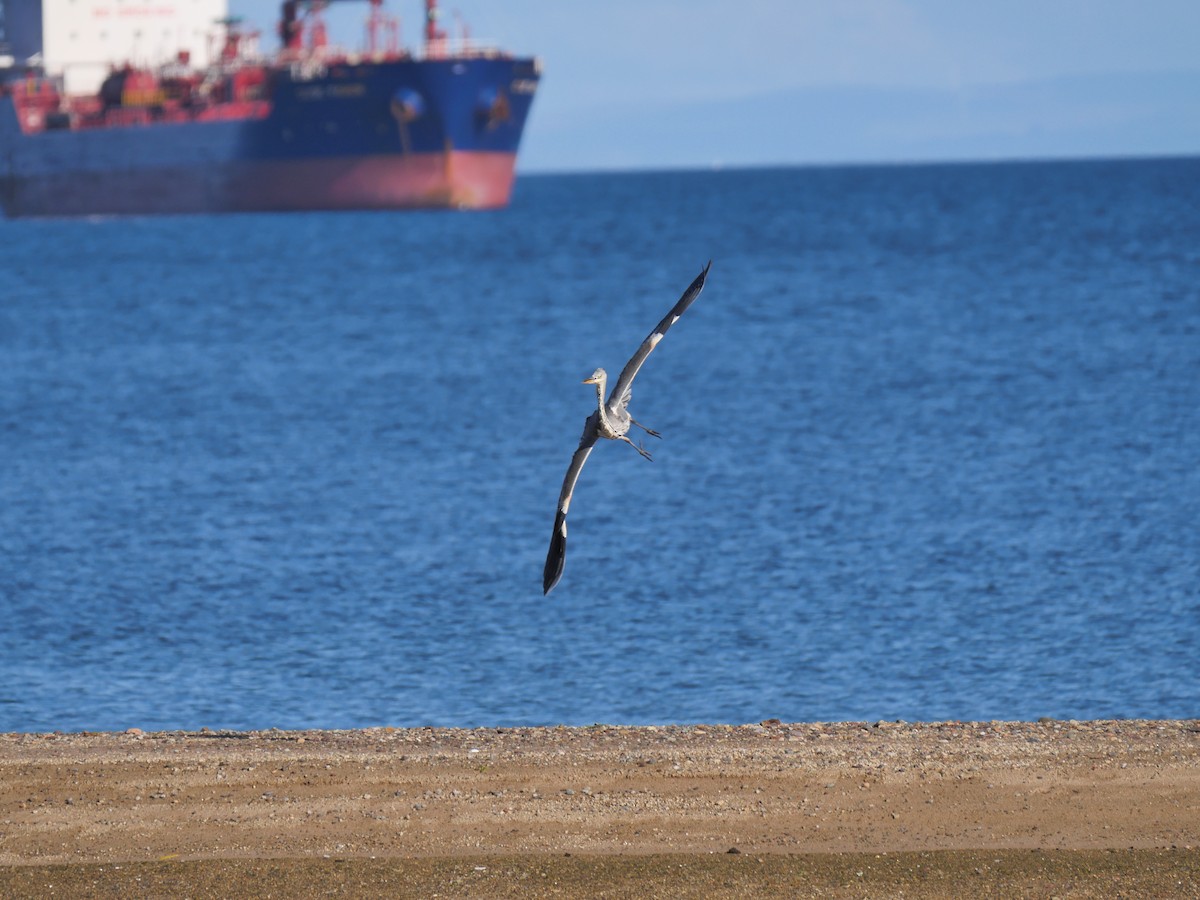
(931, 450)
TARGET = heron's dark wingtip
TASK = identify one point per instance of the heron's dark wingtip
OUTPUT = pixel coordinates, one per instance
(692, 292)
(557, 555)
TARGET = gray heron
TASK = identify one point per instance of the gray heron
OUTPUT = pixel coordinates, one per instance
(610, 420)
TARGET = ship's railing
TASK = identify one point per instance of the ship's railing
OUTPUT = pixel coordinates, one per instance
(463, 48)
(310, 63)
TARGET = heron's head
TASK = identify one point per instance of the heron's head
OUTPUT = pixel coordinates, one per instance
(598, 377)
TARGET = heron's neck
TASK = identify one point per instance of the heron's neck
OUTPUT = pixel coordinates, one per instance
(600, 388)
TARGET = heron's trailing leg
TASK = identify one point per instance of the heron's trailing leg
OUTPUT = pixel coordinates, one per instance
(638, 447)
(649, 431)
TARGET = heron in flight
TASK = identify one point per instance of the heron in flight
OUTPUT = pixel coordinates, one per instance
(610, 420)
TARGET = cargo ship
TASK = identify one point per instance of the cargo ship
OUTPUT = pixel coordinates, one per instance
(310, 127)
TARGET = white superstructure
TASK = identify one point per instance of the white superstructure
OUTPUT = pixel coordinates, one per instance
(83, 39)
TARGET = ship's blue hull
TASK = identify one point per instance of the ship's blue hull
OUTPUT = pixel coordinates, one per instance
(407, 133)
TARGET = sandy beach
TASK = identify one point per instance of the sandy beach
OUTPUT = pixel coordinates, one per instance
(851, 809)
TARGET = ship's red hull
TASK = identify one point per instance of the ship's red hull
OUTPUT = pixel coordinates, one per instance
(454, 179)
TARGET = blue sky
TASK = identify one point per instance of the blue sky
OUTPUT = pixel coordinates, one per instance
(870, 79)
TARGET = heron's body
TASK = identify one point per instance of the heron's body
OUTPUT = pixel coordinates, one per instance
(610, 420)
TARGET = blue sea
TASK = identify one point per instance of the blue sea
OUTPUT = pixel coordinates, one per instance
(931, 450)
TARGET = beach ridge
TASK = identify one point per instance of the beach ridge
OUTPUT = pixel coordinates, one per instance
(71, 802)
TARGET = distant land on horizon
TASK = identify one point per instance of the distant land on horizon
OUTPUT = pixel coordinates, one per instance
(1107, 115)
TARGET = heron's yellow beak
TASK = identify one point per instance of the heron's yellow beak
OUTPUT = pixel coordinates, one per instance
(590, 380)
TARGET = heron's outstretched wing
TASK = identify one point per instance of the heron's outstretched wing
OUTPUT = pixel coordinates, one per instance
(621, 390)
(557, 554)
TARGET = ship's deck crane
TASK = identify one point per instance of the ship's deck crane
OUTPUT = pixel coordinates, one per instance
(301, 24)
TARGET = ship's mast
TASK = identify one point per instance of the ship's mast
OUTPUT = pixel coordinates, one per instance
(435, 38)
(377, 21)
